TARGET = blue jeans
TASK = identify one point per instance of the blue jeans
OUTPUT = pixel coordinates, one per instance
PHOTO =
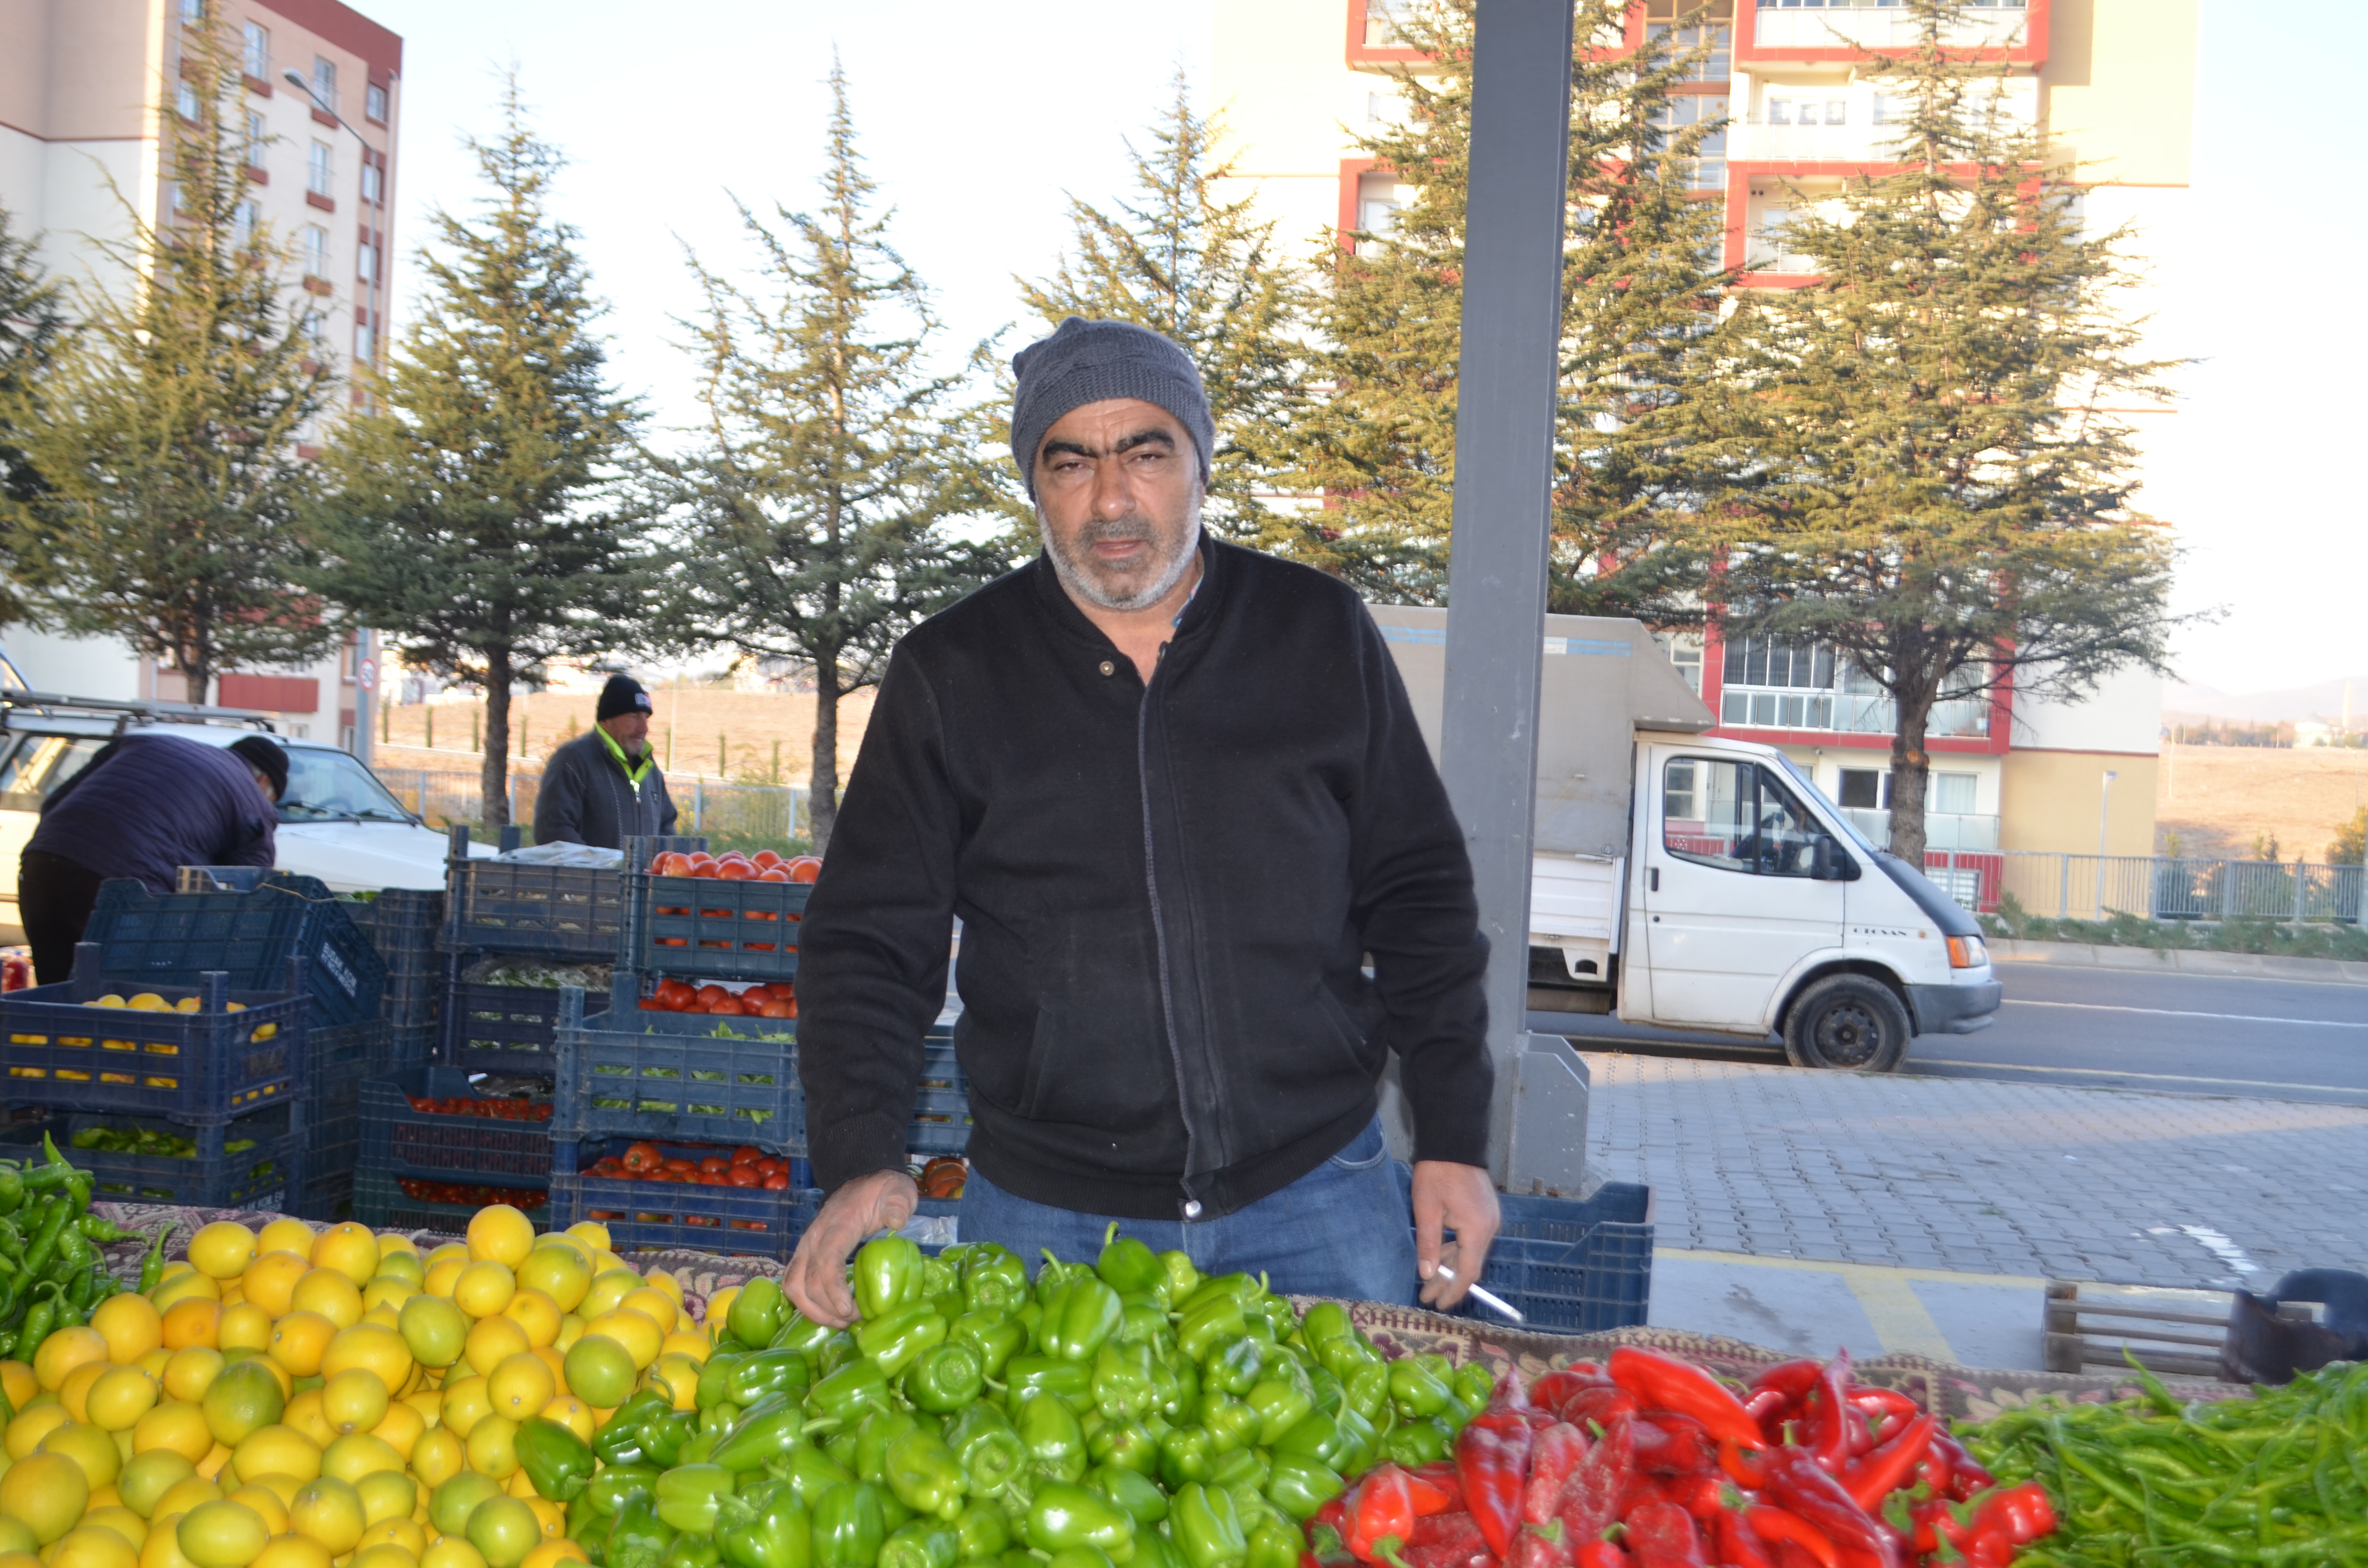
(1343, 1229)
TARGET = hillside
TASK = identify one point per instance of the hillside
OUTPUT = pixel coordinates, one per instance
(2216, 798)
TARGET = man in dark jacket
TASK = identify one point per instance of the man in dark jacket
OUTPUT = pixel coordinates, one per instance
(1175, 794)
(604, 786)
(143, 807)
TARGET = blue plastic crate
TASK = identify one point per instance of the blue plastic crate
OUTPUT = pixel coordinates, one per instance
(1573, 1266)
(558, 910)
(941, 1110)
(193, 1068)
(398, 1140)
(709, 928)
(402, 925)
(327, 1198)
(735, 1221)
(380, 1202)
(259, 1178)
(632, 1073)
(146, 941)
(500, 1028)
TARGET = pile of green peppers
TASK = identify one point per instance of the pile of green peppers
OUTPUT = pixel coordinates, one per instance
(50, 1271)
(1123, 1412)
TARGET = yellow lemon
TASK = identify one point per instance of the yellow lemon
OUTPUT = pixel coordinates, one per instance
(641, 1337)
(453, 1551)
(148, 1476)
(16, 1383)
(438, 1456)
(182, 1288)
(504, 1530)
(293, 1550)
(91, 1448)
(608, 1289)
(175, 1426)
(65, 1349)
(388, 1293)
(26, 1432)
(358, 1454)
(118, 1518)
(602, 1370)
(551, 1553)
(245, 1398)
(191, 1323)
(75, 1391)
(688, 1342)
(285, 1233)
(484, 1288)
(558, 1271)
(520, 1385)
(329, 1293)
(493, 1446)
(244, 1326)
(400, 1263)
(181, 1496)
(94, 1546)
(354, 1400)
(46, 1494)
(494, 1340)
(592, 1234)
(131, 1326)
(111, 1000)
(677, 1377)
(352, 1249)
(373, 1348)
(656, 1305)
(500, 1234)
(304, 1414)
(265, 1500)
(566, 1410)
(277, 1450)
(330, 1511)
(192, 1372)
(270, 1281)
(163, 1548)
(222, 1250)
(387, 1495)
(404, 1533)
(401, 1427)
(535, 1313)
(121, 1396)
(223, 1534)
(659, 1280)
(383, 1554)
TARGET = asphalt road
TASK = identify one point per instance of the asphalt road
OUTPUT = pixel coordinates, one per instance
(2107, 1028)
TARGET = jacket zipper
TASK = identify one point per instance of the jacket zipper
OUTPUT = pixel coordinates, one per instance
(1190, 1206)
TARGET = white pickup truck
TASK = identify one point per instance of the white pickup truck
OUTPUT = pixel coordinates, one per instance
(1703, 884)
(336, 821)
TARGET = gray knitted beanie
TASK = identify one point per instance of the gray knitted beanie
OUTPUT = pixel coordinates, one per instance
(1088, 361)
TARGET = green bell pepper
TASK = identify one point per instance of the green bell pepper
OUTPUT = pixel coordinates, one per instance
(1274, 1546)
(1137, 1494)
(887, 1274)
(751, 1378)
(768, 1429)
(1128, 1267)
(1206, 1528)
(1235, 1369)
(1064, 1515)
(845, 1395)
(756, 1311)
(1415, 1443)
(1325, 1321)
(699, 1450)
(1175, 1387)
(1076, 1557)
(1230, 1424)
(1416, 1390)
(1055, 1274)
(1153, 1550)
(1132, 1446)
(715, 1379)
(879, 1429)
(849, 1527)
(1299, 1486)
(781, 1535)
(1090, 1313)
(1186, 1454)
(1183, 1279)
(1366, 1391)
(1122, 1387)
(1209, 1324)
(665, 1433)
(1243, 1467)
(1054, 1441)
(688, 1496)
(940, 1278)
(980, 1531)
(1070, 1382)
(945, 1378)
(1283, 1399)
(811, 1472)
(800, 1333)
(587, 1527)
(992, 1278)
(638, 1537)
(1030, 1315)
(990, 1451)
(608, 1490)
(559, 1463)
(692, 1552)
(618, 1440)
(924, 1543)
(993, 1333)
(924, 1474)
(895, 1341)
(1473, 1383)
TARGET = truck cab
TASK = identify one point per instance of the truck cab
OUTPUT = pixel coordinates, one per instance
(1692, 883)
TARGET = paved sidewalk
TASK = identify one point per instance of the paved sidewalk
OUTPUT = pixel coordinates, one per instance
(1974, 1176)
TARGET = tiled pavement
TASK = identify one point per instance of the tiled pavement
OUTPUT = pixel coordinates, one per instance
(1983, 1177)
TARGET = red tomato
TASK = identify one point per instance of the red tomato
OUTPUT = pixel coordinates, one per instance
(773, 1163)
(672, 863)
(700, 860)
(756, 995)
(730, 1008)
(778, 1181)
(713, 1178)
(736, 872)
(676, 996)
(743, 1176)
(710, 994)
(765, 859)
(642, 1157)
(805, 868)
(778, 1009)
(714, 1164)
(677, 1162)
(775, 874)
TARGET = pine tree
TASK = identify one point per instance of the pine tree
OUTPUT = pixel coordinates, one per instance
(32, 321)
(1204, 271)
(164, 430)
(481, 517)
(1640, 314)
(833, 459)
(1924, 468)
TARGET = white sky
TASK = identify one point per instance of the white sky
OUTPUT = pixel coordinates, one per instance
(975, 120)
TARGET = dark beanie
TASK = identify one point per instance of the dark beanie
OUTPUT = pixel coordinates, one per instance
(623, 694)
(264, 755)
(1088, 361)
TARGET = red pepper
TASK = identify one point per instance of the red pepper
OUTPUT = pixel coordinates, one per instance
(1761, 1403)
(1598, 1489)
(1792, 1378)
(1887, 1469)
(1860, 1429)
(1663, 1536)
(1670, 1443)
(1541, 1546)
(1790, 1556)
(1674, 1385)
(1446, 1540)
(1885, 1402)
(1604, 1554)
(1828, 1430)
(1492, 1460)
(1599, 1404)
(1549, 1392)
(1795, 1483)
(1333, 1515)
(1739, 1545)
(1508, 1394)
(1774, 1525)
(1747, 1468)
(1554, 1454)
(1381, 1515)
(1701, 1495)
(1966, 1477)
(1439, 1481)
(2023, 1511)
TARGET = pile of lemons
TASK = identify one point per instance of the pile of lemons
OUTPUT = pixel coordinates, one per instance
(289, 1399)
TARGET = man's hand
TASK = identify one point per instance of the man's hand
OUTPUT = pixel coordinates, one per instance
(816, 1280)
(1445, 1195)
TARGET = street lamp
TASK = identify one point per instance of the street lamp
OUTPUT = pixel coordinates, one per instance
(365, 663)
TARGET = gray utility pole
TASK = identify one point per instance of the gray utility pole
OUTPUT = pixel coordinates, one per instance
(1497, 570)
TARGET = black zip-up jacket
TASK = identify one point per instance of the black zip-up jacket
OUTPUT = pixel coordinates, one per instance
(587, 799)
(1167, 896)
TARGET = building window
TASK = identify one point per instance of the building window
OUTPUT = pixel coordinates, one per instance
(374, 102)
(1894, 108)
(193, 12)
(1865, 790)
(366, 263)
(1953, 793)
(373, 182)
(1808, 111)
(176, 199)
(316, 251)
(1775, 232)
(1707, 169)
(257, 62)
(248, 216)
(257, 138)
(1713, 28)
(1376, 215)
(1380, 24)
(325, 83)
(365, 343)
(319, 177)
(1776, 684)
(1685, 652)
(185, 98)
(315, 330)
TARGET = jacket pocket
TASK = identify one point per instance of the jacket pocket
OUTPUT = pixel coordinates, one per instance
(1077, 1076)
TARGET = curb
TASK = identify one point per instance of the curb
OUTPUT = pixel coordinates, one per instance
(2181, 960)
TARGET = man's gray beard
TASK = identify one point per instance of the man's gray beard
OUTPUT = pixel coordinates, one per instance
(1075, 578)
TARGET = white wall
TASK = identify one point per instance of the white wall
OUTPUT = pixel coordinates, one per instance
(2124, 715)
(75, 666)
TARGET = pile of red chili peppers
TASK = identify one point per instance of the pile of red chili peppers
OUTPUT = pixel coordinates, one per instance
(1649, 1462)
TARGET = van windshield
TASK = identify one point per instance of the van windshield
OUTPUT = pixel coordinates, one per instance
(1832, 813)
(331, 786)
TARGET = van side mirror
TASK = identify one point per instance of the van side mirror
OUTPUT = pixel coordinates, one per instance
(1831, 863)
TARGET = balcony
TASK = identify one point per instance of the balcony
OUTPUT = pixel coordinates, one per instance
(1942, 830)
(1847, 713)
(1889, 29)
(1756, 141)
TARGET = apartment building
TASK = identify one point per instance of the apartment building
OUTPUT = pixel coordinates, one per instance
(84, 87)
(2110, 81)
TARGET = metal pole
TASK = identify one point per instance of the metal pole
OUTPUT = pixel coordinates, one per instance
(1504, 471)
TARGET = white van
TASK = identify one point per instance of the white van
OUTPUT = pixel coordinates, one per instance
(336, 821)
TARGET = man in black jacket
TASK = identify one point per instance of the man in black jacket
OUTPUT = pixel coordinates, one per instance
(604, 786)
(1175, 794)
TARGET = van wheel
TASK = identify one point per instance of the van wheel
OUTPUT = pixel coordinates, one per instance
(1848, 1022)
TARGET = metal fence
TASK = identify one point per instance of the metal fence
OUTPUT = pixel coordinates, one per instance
(2096, 887)
(771, 812)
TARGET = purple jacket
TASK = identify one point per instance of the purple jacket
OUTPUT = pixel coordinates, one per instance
(150, 804)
